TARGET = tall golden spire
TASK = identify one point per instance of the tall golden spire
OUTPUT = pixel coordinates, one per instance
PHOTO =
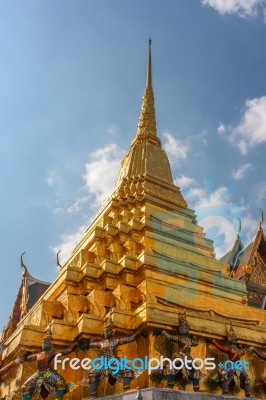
(147, 121)
(145, 170)
(149, 70)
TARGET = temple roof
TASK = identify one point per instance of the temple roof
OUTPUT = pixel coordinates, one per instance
(257, 244)
(239, 254)
(30, 290)
(241, 258)
(230, 257)
(248, 263)
(35, 289)
(244, 256)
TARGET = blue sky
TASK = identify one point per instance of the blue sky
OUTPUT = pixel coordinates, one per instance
(72, 75)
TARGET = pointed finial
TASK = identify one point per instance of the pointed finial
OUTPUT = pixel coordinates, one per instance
(22, 262)
(147, 121)
(149, 70)
(262, 218)
(57, 260)
(239, 227)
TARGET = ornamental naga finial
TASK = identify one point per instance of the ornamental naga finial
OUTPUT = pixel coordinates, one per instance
(262, 218)
(22, 262)
(239, 227)
(58, 264)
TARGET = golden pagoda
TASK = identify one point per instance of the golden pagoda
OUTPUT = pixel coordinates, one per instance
(145, 259)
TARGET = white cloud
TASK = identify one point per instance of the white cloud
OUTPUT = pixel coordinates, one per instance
(77, 206)
(183, 181)
(241, 171)
(206, 198)
(113, 130)
(216, 210)
(249, 226)
(243, 8)
(221, 129)
(251, 131)
(67, 244)
(224, 229)
(217, 214)
(176, 149)
(102, 171)
(260, 191)
(50, 180)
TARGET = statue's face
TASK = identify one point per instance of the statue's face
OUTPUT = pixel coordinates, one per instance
(108, 332)
(184, 329)
(46, 344)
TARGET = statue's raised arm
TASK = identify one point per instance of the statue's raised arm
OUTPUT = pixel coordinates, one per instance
(224, 349)
(10, 365)
(94, 344)
(132, 338)
(68, 350)
(29, 356)
(173, 338)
